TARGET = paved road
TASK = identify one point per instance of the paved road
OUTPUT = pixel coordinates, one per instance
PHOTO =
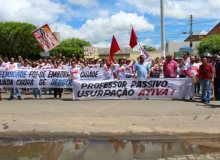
(101, 119)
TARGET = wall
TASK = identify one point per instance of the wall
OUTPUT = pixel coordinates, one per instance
(115, 56)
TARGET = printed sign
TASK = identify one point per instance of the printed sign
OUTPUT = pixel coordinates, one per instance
(45, 37)
(91, 52)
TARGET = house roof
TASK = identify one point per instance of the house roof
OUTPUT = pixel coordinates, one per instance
(123, 51)
(214, 30)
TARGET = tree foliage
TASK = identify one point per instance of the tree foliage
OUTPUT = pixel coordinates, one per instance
(210, 44)
(71, 46)
(16, 39)
(149, 48)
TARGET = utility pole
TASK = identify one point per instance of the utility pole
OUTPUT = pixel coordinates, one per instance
(191, 32)
(167, 47)
(162, 29)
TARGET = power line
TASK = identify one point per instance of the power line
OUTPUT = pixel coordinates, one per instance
(165, 26)
(181, 31)
(206, 21)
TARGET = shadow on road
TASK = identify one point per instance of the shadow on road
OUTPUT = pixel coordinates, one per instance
(209, 105)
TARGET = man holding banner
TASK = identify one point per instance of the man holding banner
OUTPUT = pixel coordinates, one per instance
(10, 66)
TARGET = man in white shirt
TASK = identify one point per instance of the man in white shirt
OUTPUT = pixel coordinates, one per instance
(184, 61)
(12, 66)
(121, 70)
(191, 70)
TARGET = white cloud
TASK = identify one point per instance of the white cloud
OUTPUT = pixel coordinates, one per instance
(32, 11)
(99, 30)
(85, 3)
(103, 13)
(180, 8)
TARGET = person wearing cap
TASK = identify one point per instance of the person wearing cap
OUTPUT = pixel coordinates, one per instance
(170, 67)
(142, 69)
(95, 64)
(191, 70)
(108, 72)
(206, 74)
(183, 62)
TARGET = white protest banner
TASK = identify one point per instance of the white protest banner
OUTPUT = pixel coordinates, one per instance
(131, 89)
(21, 78)
(45, 78)
(91, 74)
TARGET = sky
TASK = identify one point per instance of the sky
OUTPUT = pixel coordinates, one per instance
(97, 21)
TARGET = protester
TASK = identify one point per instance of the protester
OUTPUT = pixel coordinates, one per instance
(10, 66)
(109, 71)
(214, 92)
(142, 69)
(120, 72)
(206, 74)
(103, 64)
(217, 78)
(183, 62)
(155, 69)
(191, 70)
(170, 68)
(197, 86)
(58, 90)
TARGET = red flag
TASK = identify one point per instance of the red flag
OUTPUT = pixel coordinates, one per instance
(133, 39)
(114, 48)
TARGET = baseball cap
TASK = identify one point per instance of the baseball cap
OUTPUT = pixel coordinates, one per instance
(108, 63)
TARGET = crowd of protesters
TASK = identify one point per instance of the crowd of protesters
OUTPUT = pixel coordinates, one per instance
(207, 70)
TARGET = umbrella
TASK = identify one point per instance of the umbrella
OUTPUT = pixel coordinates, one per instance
(186, 48)
(180, 53)
(206, 54)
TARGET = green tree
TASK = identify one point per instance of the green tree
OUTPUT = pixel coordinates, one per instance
(149, 48)
(210, 44)
(70, 46)
(16, 39)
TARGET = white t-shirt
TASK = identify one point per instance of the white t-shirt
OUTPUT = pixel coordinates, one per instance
(74, 72)
(108, 73)
(192, 68)
(48, 66)
(95, 66)
(36, 68)
(12, 66)
(121, 71)
(5, 64)
(23, 67)
(183, 66)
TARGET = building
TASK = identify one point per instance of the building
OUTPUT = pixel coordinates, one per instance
(172, 47)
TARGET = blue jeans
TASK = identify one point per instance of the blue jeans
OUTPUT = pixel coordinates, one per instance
(45, 90)
(35, 93)
(206, 89)
(17, 90)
